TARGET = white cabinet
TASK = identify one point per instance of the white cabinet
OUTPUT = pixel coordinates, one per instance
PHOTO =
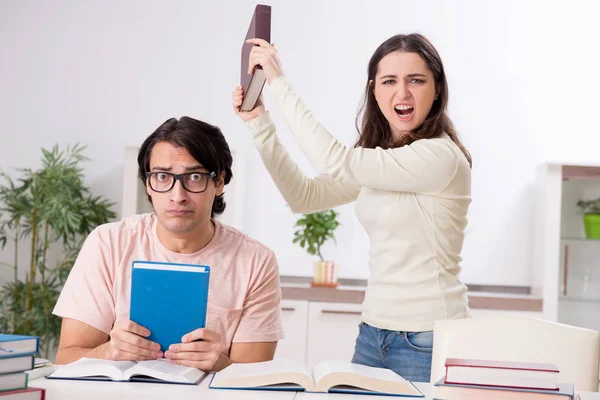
(566, 264)
(332, 331)
(295, 316)
(585, 314)
(316, 331)
(134, 192)
(321, 331)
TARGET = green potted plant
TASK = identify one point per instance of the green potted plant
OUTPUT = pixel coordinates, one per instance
(312, 231)
(591, 217)
(50, 211)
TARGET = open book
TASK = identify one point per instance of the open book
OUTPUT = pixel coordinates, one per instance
(328, 376)
(149, 371)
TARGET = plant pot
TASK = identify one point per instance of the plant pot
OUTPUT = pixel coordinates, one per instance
(591, 223)
(325, 274)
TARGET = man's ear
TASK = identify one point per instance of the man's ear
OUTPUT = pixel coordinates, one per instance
(220, 184)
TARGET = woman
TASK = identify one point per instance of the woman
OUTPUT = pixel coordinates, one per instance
(411, 179)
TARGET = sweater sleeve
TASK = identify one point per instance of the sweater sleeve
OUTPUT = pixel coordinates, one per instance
(303, 194)
(426, 166)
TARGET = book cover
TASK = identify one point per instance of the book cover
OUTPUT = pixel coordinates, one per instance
(169, 299)
(18, 345)
(463, 391)
(16, 364)
(28, 394)
(260, 28)
(463, 362)
(14, 381)
(502, 373)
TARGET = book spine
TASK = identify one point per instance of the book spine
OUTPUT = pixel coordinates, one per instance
(263, 24)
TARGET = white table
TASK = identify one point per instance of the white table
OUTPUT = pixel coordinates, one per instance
(425, 388)
(58, 389)
(61, 389)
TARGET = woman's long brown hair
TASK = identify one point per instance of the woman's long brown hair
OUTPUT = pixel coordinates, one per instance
(375, 130)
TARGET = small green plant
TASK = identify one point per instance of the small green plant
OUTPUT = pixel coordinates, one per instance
(313, 230)
(589, 206)
(45, 210)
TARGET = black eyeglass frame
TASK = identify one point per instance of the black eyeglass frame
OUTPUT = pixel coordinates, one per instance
(179, 177)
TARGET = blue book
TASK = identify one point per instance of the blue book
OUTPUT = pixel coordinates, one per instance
(18, 345)
(326, 377)
(452, 391)
(14, 381)
(169, 299)
(10, 365)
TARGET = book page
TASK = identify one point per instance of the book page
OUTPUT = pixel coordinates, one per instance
(333, 373)
(85, 367)
(265, 368)
(165, 366)
(165, 370)
(263, 374)
(40, 362)
(328, 367)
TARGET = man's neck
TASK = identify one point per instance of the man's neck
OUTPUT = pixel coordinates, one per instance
(186, 243)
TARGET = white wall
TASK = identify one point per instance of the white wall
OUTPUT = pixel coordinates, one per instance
(523, 90)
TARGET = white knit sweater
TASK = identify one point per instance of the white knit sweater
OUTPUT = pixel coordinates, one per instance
(412, 202)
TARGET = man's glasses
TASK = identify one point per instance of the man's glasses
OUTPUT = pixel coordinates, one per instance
(194, 182)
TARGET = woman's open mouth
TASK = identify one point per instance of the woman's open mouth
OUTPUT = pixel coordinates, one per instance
(404, 111)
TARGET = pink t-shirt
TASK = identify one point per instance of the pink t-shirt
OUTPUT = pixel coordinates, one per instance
(244, 292)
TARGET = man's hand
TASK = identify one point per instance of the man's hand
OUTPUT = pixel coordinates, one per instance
(205, 354)
(128, 342)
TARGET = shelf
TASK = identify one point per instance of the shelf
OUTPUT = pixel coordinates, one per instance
(580, 172)
(581, 240)
(573, 299)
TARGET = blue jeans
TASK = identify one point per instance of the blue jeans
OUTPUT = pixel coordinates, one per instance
(406, 353)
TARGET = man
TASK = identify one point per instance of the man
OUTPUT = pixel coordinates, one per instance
(184, 165)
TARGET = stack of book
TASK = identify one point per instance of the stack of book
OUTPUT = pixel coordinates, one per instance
(503, 380)
(17, 355)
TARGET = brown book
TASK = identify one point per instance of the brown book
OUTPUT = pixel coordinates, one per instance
(260, 27)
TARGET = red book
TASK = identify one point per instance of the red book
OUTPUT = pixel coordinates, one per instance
(25, 394)
(260, 28)
(501, 373)
(448, 391)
